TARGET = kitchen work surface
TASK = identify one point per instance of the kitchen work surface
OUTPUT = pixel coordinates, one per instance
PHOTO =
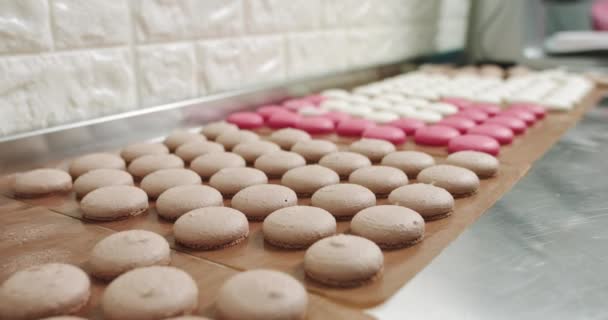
(52, 229)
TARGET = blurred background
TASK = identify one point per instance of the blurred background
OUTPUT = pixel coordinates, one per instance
(64, 61)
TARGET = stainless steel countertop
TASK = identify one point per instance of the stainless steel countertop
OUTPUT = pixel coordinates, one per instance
(540, 253)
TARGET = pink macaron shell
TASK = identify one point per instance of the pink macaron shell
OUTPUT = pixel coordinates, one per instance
(337, 116)
(517, 125)
(459, 123)
(460, 103)
(353, 127)
(246, 120)
(315, 99)
(528, 117)
(474, 142)
(435, 135)
(539, 111)
(296, 104)
(476, 115)
(394, 135)
(269, 110)
(499, 132)
(316, 125)
(283, 120)
(408, 125)
(490, 108)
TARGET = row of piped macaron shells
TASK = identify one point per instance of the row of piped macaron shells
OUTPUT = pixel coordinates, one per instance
(472, 126)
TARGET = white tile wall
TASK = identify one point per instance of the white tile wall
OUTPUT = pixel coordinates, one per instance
(66, 60)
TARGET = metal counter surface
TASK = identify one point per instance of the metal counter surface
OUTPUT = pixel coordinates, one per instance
(540, 253)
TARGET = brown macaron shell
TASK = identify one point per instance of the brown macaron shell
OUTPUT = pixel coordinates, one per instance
(287, 137)
(130, 152)
(429, 201)
(176, 201)
(127, 250)
(344, 162)
(460, 182)
(308, 179)
(275, 164)
(44, 290)
(379, 179)
(343, 200)
(155, 292)
(298, 226)
(258, 201)
(252, 150)
(113, 203)
(262, 295)
(229, 181)
(144, 165)
(41, 182)
(483, 164)
(343, 261)
(314, 150)
(88, 162)
(374, 149)
(190, 150)
(410, 162)
(390, 227)
(159, 181)
(179, 137)
(209, 164)
(211, 228)
(98, 178)
(215, 129)
(231, 139)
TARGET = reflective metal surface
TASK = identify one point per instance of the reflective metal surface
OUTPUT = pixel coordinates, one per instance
(540, 253)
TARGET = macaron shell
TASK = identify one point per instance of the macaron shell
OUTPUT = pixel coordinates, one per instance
(176, 201)
(353, 127)
(316, 125)
(144, 165)
(229, 181)
(528, 117)
(460, 182)
(246, 120)
(129, 296)
(381, 180)
(179, 137)
(287, 137)
(275, 164)
(98, 178)
(267, 111)
(159, 181)
(343, 200)
(135, 150)
(40, 182)
(393, 135)
(410, 162)
(250, 151)
(515, 124)
(209, 164)
(343, 261)
(298, 226)
(476, 115)
(436, 135)
(230, 139)
(308, 179)
(258, 201)
(314, 150)
(86, 163)
(344, 162)
(211, 228)
(114, 202)
(474, 142)
(190, 150)
(459, 123)
(283, 120)
(127, 250)
(389, 226)
(44, 290)
(409, 126)
(215, 129)
(262, 295)
(373, 149)
(483, 164)
(429, 201)
(499, 132)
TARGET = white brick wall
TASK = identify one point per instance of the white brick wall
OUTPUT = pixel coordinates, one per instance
(66, 60)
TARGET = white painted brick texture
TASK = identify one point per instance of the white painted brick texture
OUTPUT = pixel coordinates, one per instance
(67, 60)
